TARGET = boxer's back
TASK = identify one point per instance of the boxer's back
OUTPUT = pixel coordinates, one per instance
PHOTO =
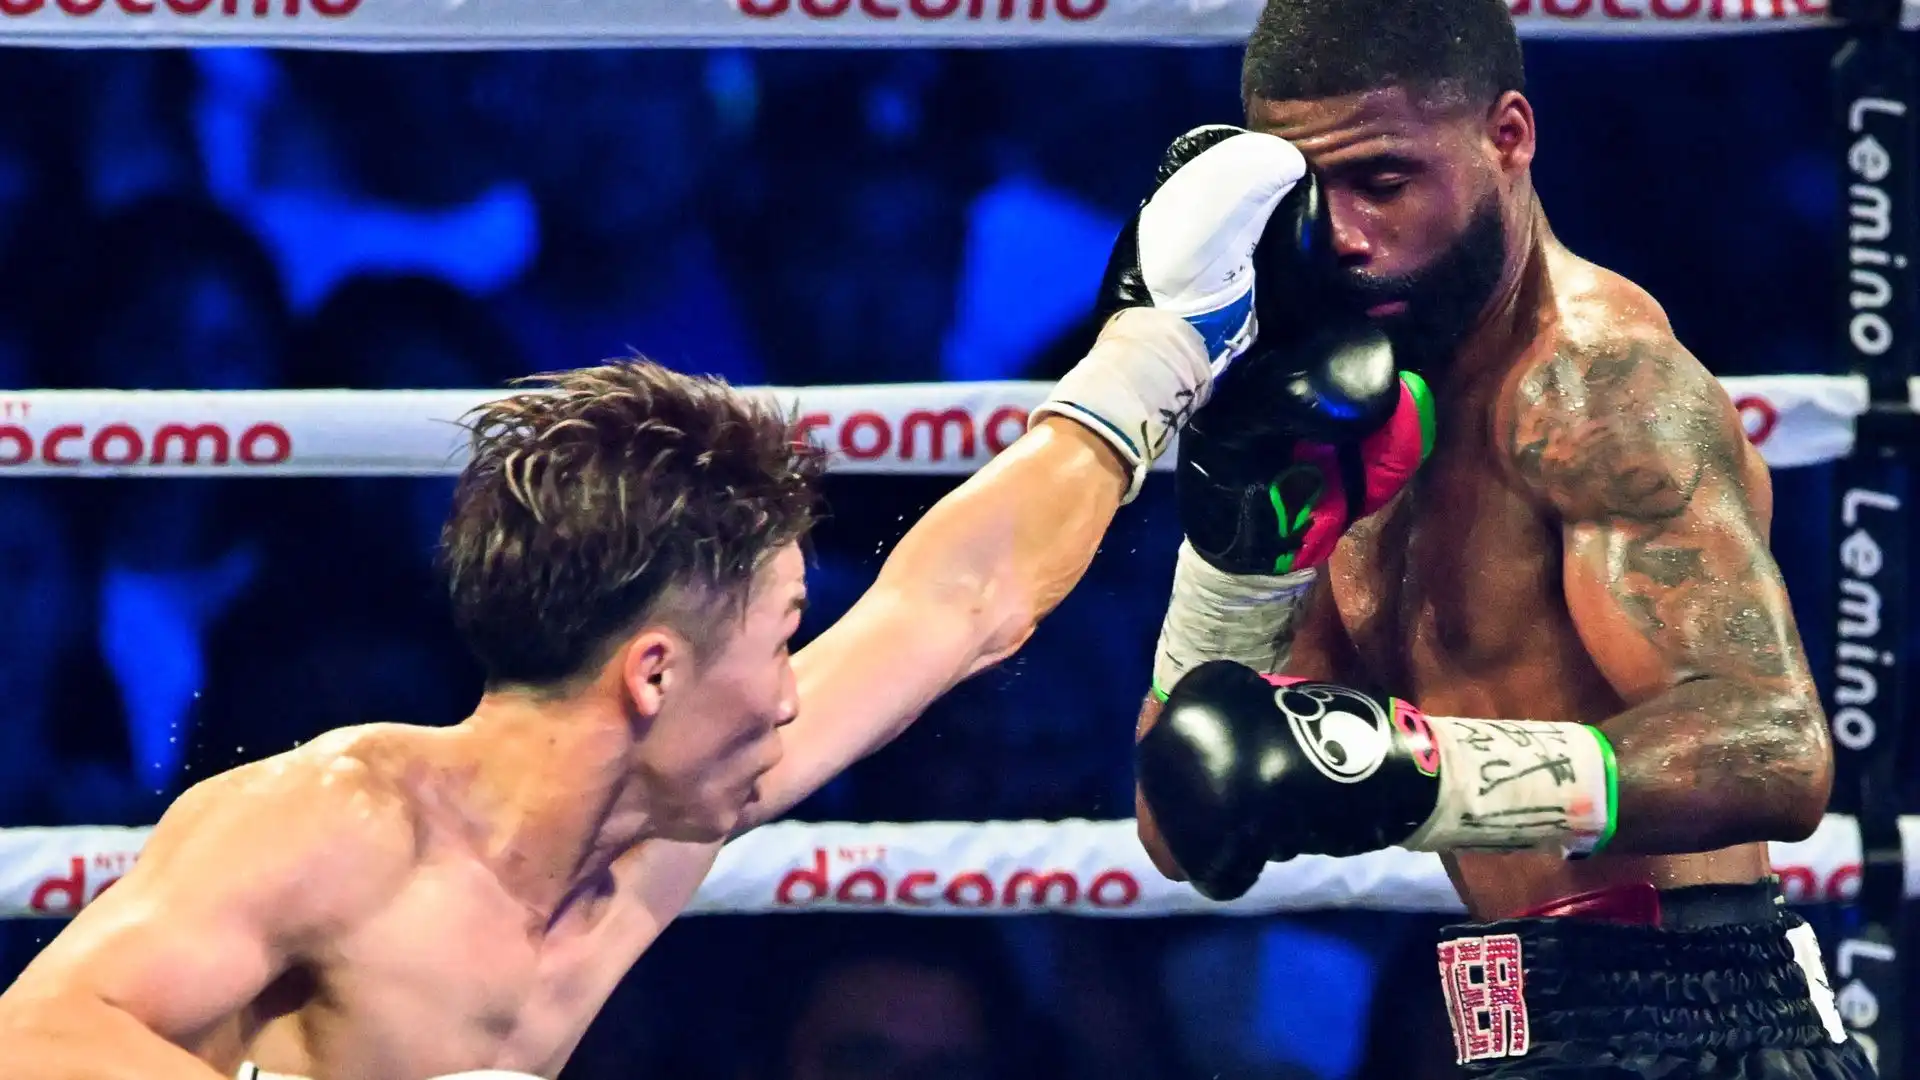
(1454, 595)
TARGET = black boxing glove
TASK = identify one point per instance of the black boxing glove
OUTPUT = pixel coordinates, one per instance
(1242, 769)
(1301, 440)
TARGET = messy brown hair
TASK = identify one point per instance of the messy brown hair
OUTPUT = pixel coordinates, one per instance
(600, 499)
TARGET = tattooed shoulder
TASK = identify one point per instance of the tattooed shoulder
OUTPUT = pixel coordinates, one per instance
(1628, 428)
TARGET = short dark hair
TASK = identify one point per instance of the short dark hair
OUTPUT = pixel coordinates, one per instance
(1303, 49)
(606, 496)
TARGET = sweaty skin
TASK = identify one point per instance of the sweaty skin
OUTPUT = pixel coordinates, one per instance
(1587, 543)
(397, 903)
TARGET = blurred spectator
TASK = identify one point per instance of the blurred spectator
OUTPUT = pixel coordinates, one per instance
(342, 669)
(348, 165)
(178, 296)
(894, 999)
(621, 171)
(41, 583)
(137, 139)
(403, 333)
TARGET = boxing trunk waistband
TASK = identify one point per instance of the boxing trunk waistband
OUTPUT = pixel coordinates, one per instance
(1638, 972)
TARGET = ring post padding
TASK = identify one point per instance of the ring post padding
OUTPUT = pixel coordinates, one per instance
(1869, 695)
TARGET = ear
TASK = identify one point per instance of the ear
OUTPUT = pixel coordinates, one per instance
(1510, 130)
(653, 665)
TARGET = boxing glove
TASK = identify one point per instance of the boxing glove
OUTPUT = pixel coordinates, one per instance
(1243, 769)
(1297, 444)
(1202, 185)
(1179, 293)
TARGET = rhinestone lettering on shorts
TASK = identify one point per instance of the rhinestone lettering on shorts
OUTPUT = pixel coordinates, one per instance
(1485, 987)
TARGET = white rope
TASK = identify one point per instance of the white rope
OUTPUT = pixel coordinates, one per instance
(395, 25)
(906, 428)
(1094, 868)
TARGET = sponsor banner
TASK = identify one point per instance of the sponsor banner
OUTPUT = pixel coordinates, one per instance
(1092, 868)
(908, 428)
(490, 24)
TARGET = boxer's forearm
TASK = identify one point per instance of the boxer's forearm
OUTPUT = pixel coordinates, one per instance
(1003, 549)
(84, 1038)
(1713, 763)
(961, 591)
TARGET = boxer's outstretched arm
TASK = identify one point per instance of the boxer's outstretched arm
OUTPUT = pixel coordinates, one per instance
(1674, 592)
(961, 591)
(240, 877)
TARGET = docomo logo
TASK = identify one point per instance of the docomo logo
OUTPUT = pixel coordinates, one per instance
(125, 446)
(868, 886)
(259, 9)
(1805, 885)
(1000, 10)
(1758, 417)
(920, 435)
(63, 896)
(1710, 10)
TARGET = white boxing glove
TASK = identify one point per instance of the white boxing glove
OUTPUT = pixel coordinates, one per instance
(1181, 282)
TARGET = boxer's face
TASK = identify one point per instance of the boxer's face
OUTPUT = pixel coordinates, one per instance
(715, 729)
(1424, 193)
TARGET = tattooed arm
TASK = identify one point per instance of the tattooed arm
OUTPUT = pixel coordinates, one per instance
(1664, 512)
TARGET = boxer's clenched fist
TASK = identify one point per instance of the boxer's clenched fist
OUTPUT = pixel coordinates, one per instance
(1293, 451)
(1179, 291)
(1190, 249)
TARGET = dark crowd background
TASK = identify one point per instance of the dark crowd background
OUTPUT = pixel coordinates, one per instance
(236, 219)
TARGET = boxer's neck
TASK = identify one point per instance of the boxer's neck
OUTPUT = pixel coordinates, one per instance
(553, 782)
(1508, 320)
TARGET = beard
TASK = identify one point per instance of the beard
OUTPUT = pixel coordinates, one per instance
(1444, 298)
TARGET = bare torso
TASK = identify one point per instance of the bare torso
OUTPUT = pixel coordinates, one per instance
(1453, 596)
(455, 973)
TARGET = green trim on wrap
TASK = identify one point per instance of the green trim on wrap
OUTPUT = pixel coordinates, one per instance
(1613, 790)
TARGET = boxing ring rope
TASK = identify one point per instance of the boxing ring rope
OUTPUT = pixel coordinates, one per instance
(408, 25)
(1091, 868)
(945, 429)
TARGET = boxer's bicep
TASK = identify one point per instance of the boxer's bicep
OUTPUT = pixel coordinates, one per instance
(237, 882)
(1674, 593)
(1667, 570)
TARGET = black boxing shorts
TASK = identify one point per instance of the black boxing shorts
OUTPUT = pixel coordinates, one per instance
(1713, 981)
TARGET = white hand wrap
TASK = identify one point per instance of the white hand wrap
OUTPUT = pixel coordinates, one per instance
(1136, 387)
(1248, 618)
(1519, 785)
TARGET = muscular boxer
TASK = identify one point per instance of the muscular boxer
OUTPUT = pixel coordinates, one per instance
(399, 903)
(1560, 654)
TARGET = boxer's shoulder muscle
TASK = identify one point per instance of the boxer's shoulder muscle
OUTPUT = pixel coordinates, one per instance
(1635, 449)
(249, 875)
(326, 807)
